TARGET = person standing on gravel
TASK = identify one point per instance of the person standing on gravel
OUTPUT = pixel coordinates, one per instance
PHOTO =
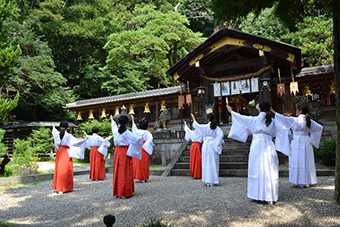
(68, 147)
(263, 164)
(195, 151)
(306, 133)
(141, 167)
(98, 147)
(211, 149)
(128, 145)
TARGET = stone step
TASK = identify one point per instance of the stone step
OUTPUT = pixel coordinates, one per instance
(223, 165)
(222, 173)
(223, 158)
(239, 152)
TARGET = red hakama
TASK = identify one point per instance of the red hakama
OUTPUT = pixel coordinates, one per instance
(97, 164)
(63, 172)
(195, 160)
(141, 167)
(123, 185)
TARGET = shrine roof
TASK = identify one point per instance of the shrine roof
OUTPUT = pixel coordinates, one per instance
(130, 96)
(317, 70)
(229, 53)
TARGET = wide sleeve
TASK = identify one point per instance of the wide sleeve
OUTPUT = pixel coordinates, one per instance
(148, 145)
(315, 133)
(238, 130)
(135, 142)
(216, 145)
(56, 137)
(282, 142)
(104, 146)
(286, 121)
(134, 128)
(201, 128)
(76, 147)
(188, 133)
(114, 129)
(87, 143)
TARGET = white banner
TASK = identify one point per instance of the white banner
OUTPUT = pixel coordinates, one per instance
(245, 86)
(235, 87)
(217, 89)
(255, 84)
(225, 88)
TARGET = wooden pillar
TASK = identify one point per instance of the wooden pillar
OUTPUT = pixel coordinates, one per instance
(265, 85)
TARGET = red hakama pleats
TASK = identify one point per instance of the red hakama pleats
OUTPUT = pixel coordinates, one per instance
(123, 185)
(97, 164)
(141, 167)
(63, 172)
(196, 160)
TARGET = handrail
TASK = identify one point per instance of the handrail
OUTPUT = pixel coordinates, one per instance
(175, 159)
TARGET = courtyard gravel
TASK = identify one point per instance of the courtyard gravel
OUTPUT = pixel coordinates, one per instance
(179, 201)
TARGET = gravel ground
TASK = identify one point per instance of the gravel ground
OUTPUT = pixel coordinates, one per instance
(179, 201)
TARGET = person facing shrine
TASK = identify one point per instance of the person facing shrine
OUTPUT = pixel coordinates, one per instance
(306, 133)
(141, 167)
(195, 151)
(98, 147)
(211, 149)
(127, 145)
(263, 164)
(68, 147)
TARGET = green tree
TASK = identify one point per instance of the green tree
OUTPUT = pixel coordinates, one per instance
(314, 35)
(293, 11)
(41, 140)
(139, 56)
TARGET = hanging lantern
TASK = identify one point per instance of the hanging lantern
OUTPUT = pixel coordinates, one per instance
(147, 108)
(181, 102)
(188, 98)
(331, 88)
(91, 117)
(117, 110)
(103, 115)
(163, 106)
(79, 118)
(131, 111)
(306, 90)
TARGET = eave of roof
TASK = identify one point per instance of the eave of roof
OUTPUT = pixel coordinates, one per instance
(119, 98)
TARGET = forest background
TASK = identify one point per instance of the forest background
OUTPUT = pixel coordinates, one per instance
(55, 52)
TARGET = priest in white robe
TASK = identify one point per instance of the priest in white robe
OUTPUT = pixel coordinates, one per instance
(263, 164)
(306, 134)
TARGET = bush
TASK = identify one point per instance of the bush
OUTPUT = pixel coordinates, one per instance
(41, 140)
(24, 155)
(156, 223)
(3, 148)
(326, 152)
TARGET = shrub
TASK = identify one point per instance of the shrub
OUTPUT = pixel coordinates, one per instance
(41, 140)
(3, 148)
(156, 223)
(326, 152)
(24, 155)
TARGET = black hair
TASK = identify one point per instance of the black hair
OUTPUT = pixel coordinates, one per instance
(63, 126)
(123, 120)
(95, 130)
(265, 107)
(143, 124)
(304, 110)
(211, 118)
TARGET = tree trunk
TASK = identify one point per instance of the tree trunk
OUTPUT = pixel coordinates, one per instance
(336, 21)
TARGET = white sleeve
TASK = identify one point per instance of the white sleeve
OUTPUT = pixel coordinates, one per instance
(315, 133)
(188, 133)
(148, 145)
(282, 142)
(238, 130)
(216, 145)
(135, 142)
(56, 137)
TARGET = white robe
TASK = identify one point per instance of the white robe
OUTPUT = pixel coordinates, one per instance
(127, 138)
(96, 140)
(301, 164)
(193, 135)
(147, 137)
(211, 149)
(263, 164)
(76, 147)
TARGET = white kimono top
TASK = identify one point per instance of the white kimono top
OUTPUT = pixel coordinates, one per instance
(215, 136)
(242, 125)
(298, 124)
(147, 137)
(76, 147)
(193, 135)
(127, 139)
(96, 140)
